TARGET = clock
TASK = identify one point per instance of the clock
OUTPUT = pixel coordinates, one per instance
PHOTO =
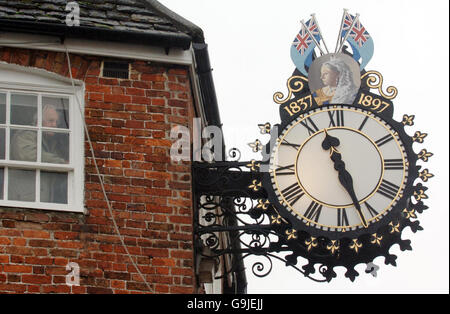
(339, 170)
(341, 178)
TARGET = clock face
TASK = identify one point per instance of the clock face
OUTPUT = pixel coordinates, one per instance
(308, 183)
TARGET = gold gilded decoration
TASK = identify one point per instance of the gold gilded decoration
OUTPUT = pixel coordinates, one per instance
(264, 128)
(263, 204)
(408, 120)
(425, 175)
(299, 105)
(294, 84)
(394, 227)
(253, 165)
(356, 245)
(375, 80)
(311, 243)
(410, 213)
(333, 246)
(376, 239)
(255, 186)
(424, 155)
(418, 137)
(276, 219)
(256, 146)
(291, 234)
(419, 195)
(374, 104)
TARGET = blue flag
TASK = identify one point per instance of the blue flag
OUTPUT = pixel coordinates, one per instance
(303, 46)
(359, 39)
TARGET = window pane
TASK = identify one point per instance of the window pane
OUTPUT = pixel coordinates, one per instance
(23, 145)
(2, 143)
(2, 108)
(54, 187)
(21, 185)
(55, 147)
(55, 112)
(2, 171)
(23, 109)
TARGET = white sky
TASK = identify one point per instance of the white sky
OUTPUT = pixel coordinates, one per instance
(249, 44)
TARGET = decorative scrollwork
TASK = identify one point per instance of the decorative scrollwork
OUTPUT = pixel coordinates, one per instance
(375, 80)
(234, 154)
(294, 85)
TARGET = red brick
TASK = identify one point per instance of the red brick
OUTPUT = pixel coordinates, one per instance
(117, 98)
(36, 234)
(66, 235)
(98, 89)
(17, 269)
(153, 77)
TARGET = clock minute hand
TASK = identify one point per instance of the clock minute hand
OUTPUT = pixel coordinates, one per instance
(330, 143)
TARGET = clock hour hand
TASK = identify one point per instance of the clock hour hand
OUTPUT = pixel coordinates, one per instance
(345, 178)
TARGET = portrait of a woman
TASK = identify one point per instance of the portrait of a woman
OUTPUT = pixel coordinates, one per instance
(338, 86)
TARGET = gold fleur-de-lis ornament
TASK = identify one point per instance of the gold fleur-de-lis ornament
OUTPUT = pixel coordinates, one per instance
(408, 120)
(355, 245)
(333, 246)
(376, 239)
(264, 128)
(291, 234)
(256, 146)
(425, 175)
(394, 227)
(253, 165)
(311, 243)
(424, 155)
(420, 194)
(419, 137)
(263, 204)
(255, 186)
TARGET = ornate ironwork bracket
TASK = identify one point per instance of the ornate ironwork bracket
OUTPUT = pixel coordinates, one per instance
(233, 219)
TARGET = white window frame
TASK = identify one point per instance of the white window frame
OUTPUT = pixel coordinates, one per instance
(19, 79)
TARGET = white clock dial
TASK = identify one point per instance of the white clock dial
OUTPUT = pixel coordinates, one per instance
(305, 179)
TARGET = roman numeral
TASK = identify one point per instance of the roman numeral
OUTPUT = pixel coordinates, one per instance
(309, 125)
(342, 219)
(339, 118)
(313, 211)
(388, 189)
(363, 123)
(285, 142)
(292, 193)
(393, 164)
(371, 210)
(286, 170)
(384, 140)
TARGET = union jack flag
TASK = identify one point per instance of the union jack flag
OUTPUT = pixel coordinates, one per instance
(302, 41)
(305, 41)
(303, 38)
(359, 40)
(358, 32)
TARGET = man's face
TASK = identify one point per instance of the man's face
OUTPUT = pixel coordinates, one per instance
(328, 76)
(50, 119)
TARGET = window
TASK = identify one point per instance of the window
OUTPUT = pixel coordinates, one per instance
(41, 143)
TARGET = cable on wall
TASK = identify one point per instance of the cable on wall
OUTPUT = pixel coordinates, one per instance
(99, 175)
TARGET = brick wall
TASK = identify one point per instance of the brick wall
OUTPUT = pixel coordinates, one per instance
(129, 121)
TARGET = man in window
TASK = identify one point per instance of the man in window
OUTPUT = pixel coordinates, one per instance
(24, 142)
(54, 149)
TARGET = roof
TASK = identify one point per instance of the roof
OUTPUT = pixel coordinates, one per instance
(135, 19)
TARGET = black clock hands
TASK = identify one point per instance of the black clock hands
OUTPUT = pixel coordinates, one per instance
(330, 143)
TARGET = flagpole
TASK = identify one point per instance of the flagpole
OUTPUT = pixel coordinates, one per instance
(320, 33)
(340, 31)
(348, 33)
(309, 33)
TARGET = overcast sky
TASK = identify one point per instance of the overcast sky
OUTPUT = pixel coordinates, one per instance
(249, 44)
